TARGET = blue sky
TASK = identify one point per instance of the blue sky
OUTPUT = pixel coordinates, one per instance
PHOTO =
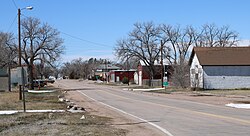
(90, 28)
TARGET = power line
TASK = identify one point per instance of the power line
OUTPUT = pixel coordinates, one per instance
(12, 24)
(75, 37)
(13, 1)
(95, 43)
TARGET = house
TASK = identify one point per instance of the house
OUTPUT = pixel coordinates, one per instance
(101, 72)
(220, 67)
(12, 77)
(143, 73)
(118, 75)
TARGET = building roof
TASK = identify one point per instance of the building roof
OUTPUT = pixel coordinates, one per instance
(222, 55)
(165, 62)
(124, 70)
(107, 66)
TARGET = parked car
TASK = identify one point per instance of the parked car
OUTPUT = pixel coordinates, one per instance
(51, 79)
(38, 83)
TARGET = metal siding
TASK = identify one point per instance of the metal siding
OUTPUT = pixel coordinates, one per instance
(226, 77)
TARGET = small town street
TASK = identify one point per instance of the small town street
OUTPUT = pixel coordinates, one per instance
(173, 117)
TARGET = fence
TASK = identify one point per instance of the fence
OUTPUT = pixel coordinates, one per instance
(154, 82)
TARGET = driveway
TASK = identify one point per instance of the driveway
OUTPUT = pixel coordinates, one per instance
(165, 116)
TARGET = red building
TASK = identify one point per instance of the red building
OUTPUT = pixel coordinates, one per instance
(118, 75)
(144, 76)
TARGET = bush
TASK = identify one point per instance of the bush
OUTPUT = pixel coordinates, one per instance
(125, 80)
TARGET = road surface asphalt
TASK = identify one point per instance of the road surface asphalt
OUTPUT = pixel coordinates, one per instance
(170, 116)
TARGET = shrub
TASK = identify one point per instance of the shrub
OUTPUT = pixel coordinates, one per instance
(125, 80)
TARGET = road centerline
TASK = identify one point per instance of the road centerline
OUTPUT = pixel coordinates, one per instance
(124, 112)
(226, 118)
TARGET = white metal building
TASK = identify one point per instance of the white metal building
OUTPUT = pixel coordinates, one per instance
(220, 67)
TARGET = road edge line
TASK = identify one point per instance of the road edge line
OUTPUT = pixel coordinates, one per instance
(150, 123)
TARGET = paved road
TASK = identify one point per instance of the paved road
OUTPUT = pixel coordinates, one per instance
(172, 117)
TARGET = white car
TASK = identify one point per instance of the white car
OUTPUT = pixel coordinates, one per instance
(52, 78)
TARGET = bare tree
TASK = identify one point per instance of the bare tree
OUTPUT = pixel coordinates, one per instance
(213, 36)
(79, 68)
(39, 39)
(143, 42)
(180, 42)
(7, 55)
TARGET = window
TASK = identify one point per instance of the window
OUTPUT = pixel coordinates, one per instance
(196, 76)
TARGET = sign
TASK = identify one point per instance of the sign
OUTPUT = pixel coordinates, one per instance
(19, 75)
(165, 79)
(165, 83)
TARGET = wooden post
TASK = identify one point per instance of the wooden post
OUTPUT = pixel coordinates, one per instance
(162, 64)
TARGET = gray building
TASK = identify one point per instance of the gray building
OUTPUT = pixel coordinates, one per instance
(220, 67)
(101, 72)
(4, 79)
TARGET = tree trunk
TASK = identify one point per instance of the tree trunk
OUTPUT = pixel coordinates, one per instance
(150, 81)
(151, 77)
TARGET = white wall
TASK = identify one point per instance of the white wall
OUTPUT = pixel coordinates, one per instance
(226, 77)
(196, 68)
(112, 77)
(140, 78)
(136, 78)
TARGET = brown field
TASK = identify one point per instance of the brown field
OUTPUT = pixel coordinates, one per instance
(50, 123)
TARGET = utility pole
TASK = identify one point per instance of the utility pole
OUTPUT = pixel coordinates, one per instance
(162, 64)
(19, 50)
(21, 87)
(9, 75)
(128, 70)
(106, 69)
(24, 105)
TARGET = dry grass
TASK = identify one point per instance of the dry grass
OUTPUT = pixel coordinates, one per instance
(169, 90)
(240, 92)
(50, 124)
(56, 124)
(243, 92)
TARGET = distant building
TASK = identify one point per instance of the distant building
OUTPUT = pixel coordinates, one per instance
(101, 72)
(118, 75)
(220, 67)
(144, 76)
(10, 77)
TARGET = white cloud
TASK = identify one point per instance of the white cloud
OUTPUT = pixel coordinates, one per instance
(244, 43)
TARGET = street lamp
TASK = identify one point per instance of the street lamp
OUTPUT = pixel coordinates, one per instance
(19, 32)
(20, 54)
